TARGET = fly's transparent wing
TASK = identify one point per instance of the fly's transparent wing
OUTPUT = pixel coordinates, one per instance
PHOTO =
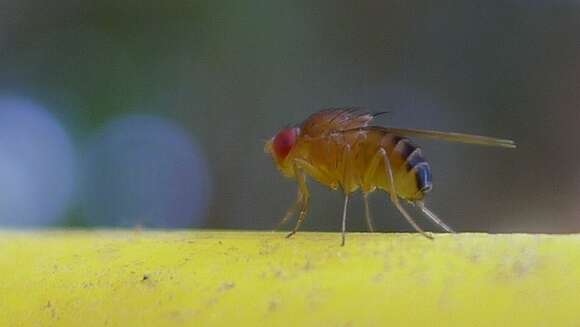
(443, 136)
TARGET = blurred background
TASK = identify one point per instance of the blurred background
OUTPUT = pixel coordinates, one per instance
(142, 114)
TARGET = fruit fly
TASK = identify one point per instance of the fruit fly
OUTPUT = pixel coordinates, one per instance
(340, 148)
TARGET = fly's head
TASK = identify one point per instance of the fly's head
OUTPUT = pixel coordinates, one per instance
(280, 147)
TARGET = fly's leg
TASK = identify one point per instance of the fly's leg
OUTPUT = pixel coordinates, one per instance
(432, 216)
(368, 188)
(346, 183)
(318, 174)
(303, 202)
(290, 211)
(301, 167)
(395, 198)
(344, 208)
(368, 216)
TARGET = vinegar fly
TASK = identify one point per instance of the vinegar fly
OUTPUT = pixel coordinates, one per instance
(340, 148)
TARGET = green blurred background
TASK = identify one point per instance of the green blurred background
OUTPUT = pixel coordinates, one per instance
(141, 113)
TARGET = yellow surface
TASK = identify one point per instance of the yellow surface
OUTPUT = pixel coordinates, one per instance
(127, 278)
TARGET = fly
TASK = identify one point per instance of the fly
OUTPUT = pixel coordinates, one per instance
(340, 148)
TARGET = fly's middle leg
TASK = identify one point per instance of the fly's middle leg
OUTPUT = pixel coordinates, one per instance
(347, 180)
(367, 187)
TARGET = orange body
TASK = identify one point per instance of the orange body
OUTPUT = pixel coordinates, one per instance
(338, 148)
(331, 149)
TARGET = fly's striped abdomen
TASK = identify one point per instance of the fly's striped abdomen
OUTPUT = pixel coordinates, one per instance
(415, 163)
(411, 171)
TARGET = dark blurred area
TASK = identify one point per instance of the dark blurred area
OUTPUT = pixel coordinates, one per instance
(138, 113)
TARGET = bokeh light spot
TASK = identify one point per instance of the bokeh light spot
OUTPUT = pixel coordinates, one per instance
(143, 170)
(37, 165)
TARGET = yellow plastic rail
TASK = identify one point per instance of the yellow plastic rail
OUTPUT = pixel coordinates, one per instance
(200, 278)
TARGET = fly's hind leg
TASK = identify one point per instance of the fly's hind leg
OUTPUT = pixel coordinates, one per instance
(431, 215)
(395, 198)
(368, 216)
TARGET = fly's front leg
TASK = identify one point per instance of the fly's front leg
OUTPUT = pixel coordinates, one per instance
(290, 211)
(318, 174)
(303, 199)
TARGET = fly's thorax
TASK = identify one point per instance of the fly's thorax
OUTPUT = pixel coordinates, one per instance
(319, 157)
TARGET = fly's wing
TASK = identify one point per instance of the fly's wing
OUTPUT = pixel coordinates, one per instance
(334, 120)
(443, 136)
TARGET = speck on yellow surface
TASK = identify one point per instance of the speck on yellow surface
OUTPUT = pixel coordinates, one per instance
(200, 278)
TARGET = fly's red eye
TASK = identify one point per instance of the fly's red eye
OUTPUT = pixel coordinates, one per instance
(284, 141)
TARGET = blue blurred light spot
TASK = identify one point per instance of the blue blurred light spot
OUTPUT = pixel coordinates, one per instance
(145, 170)
(37, 165)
